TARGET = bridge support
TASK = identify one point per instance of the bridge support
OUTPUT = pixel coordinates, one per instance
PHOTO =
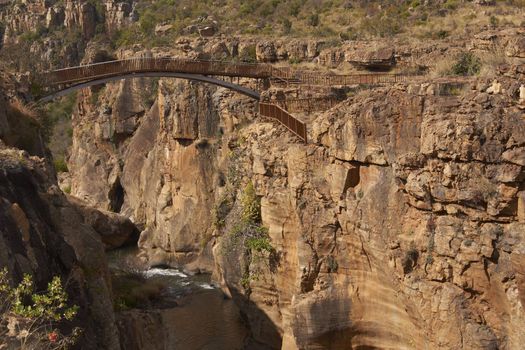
(194, 77)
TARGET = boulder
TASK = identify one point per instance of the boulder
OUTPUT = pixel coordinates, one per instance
(381, 59)
(115, 230)
(207, 31)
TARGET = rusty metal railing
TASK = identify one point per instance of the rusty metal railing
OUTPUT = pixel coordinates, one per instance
(273, 111)
(217, 68)
(311, 104)
(107, 70)
(314, 78)
(143, 65)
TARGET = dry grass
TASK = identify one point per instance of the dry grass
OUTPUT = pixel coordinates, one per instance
(467, 20)
(490, 64)
(442, 68)
(17, 107)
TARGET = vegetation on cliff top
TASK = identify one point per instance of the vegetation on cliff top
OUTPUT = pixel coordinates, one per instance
(335, 19)
(343, 18)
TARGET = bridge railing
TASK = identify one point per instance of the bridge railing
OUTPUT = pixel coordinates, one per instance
(141, 65)
(290, 122)
(315, 78)
(217, 68)
(309, 104)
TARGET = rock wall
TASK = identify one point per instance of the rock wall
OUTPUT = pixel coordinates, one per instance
(42, 234)
(159, 164)
(45, 235)
(399, 226)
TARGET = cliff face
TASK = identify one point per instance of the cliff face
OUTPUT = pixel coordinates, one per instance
(42, 234)
(157, 165)
(399, 226)
(45, 234)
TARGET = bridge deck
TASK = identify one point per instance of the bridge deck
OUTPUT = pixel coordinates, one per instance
(214, 68)
(149, 65)
(69, 79)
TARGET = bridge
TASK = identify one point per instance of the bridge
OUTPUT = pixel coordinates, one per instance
(63, 81)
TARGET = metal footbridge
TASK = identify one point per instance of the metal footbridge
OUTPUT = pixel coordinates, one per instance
(63, 81)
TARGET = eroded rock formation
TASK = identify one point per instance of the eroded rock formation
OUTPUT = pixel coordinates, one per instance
(45, 234)
(399, 226)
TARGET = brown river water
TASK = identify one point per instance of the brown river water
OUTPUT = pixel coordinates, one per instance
(194, 312)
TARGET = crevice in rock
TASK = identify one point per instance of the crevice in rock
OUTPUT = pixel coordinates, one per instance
(116, 196)
(310, 274)
(353, 179)
(184, 142)
(358, 163)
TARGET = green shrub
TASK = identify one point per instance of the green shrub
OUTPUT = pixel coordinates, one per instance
(34, 35)
(494, 21)
(249, 54)
(442, 34)
(251, 205)
(55, 111)
(451, 4)
(287, 26)
(295, 8)
(248, 239)
(467, 64)
(313, 20)
(60, 165)
(33, 316)
(133, 290)
(383, 26)
(259, 244)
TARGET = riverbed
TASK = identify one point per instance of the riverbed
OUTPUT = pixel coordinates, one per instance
(191, 311)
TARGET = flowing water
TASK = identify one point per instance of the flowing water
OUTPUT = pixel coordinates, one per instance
(194, 312)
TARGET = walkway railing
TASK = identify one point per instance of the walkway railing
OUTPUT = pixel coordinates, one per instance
(216, 68)
(143, 65)
(307, 105)
(290, 122)
(76, 77)
(314, 78)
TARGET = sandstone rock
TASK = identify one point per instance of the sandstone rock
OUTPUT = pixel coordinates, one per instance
(516, 47)
(80, 15)
(381, 59)
(495, 88)
(118, 14)
(265, 51)
(521, 206)
(115, 230)
(516, 156)
(391, 180)
(161, 29)
(207, 31)
(39, 220)
(54, 17)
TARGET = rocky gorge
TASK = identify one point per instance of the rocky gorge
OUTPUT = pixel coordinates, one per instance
(399, 225)
(405, 201)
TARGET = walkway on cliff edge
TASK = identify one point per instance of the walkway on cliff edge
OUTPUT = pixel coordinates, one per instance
(63, 81)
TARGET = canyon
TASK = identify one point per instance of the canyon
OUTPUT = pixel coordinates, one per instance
(399, 224)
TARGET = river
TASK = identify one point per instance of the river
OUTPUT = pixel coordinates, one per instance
(193, 312)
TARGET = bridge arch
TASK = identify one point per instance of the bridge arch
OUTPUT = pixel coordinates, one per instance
(193, 77)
